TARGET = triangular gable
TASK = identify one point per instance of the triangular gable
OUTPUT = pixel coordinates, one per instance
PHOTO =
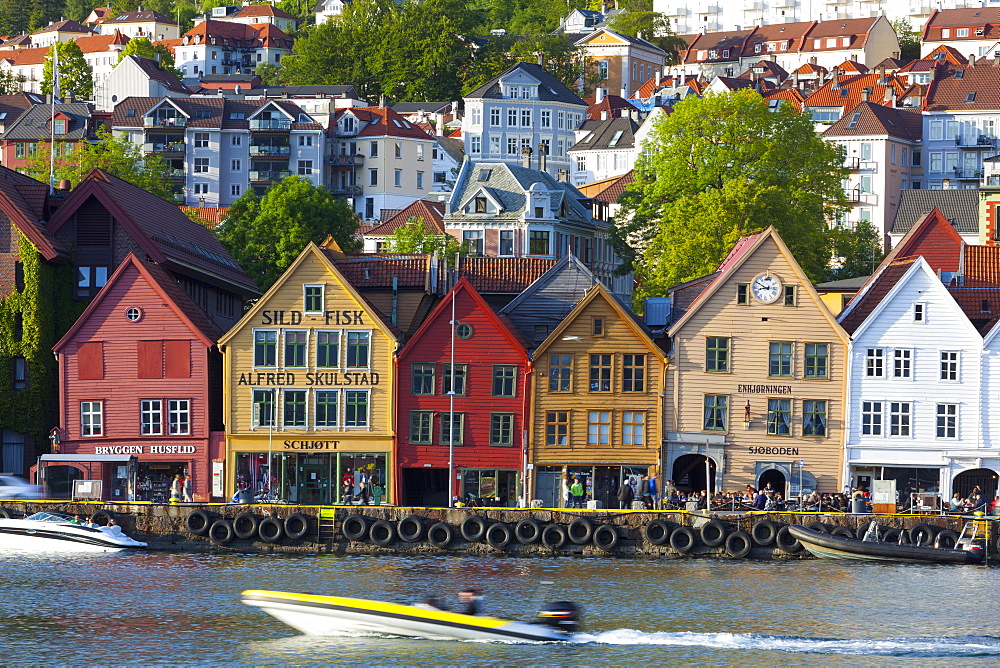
(443, 309)
(991, 332)
(271, 105)
(486, 192)
(737, 257)
(599, 291)
(43, 243)
(545, 280)
(165, 102)
(519, 75)
(604, 36)
(312, 250)
(165, 294)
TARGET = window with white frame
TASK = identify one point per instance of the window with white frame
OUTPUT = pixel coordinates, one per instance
(201, 140)
(899, 418)
(902, 360)
(236, 140)
(236, 165)
(327, 349)
(235, 189)
(357, 349)
(263, 408)
(295, 348)
(201, 189)
(512, 118)
(526, 118)
(875, 363)
(947, 421)
(265, 348)
(178, 417)
(201, 165)
(949, 365)
(312, 298)
(545, 119)
(91, 418)
(305, 140)
(305, 167)
(477, 116)
(871, 418)
(150, 417)
(475, 145)
(496, 113)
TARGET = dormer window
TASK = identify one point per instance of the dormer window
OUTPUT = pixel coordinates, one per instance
(59, 126)
(479, 204)
(615, 138)
(970, 96)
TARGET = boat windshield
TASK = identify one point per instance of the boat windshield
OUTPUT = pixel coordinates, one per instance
(49, 517)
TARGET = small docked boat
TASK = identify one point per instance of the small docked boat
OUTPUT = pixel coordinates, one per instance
(317, 615)
(969, 549)
(49, 531)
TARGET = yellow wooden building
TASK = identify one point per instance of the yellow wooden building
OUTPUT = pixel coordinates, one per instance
(308, 401)
(597, 403)
(756, 380)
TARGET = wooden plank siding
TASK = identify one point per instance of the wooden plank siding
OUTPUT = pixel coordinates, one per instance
(750, 329)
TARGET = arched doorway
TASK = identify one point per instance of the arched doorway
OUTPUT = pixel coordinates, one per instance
(966, 481)
(689, 473)
(773, 476)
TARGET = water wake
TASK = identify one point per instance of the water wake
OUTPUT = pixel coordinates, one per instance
(958, 646)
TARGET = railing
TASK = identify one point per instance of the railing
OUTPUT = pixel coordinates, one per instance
(269, 150)
(852, 162)
(853, 194)
(177, 174)
(165, 122)
(993, 180)
(346, 160)
(269, 175)
(270, 124)
(178, 197)
(345, 190)
(968, 173)
(169, 147)
(975, 140)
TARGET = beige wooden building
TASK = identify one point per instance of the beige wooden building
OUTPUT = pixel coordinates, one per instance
(597, 408)
(308, 389)
(756, 380)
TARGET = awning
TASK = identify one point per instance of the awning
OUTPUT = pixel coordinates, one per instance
(86, 458)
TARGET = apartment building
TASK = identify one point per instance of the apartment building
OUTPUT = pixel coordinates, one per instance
(142, 23)
(226, 47)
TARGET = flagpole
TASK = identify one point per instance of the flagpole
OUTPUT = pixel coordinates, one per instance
(52, 123)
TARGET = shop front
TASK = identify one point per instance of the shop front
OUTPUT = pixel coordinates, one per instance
(310, 478)
(490, 487)
(600, 482)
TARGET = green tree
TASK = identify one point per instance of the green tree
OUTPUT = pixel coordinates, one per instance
(414, 237)
(270, 74)
(909, 39)
(265, 234)
(14, 16)
(144, 48)
(10, 83)
(115, 155)
(77, 10)
(75, 75)
(857, 251)
(639, 20)
(719, 168)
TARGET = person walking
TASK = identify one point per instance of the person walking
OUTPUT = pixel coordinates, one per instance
(186, 489)
(176, 488)
(644, 495)
(654, 492)
(625, 495)
(576, 492)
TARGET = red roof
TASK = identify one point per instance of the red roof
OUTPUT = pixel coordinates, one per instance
(503, 274)
(228, 33)
(24, 202)
(611, 104)
(262, 10)
(952, 88)
(975, 19)
(213, 215)
(63, 26)
(832, 93)
(366, 271)
(872, 294)
(381, 122)
(431, 213)
(981, 266)
(876, 119)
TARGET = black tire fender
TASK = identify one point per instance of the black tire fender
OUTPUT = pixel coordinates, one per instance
(580, 531)
(440, 535)
(473, 528)
(499, 535)
(819, 526)
(271, 530)
(764, 532)
(890, 536)
(100, 515)
(354, 527)
(410, 528)
(198, 522)
(657, 532)
(4, 513)
(738, 544)
(786, 542)
(923, 534)
(554, 536)
(846, 532)
(528, 531)
(221, 532)
(245, 526)
(606, 537)
(713, 533)
(382, 533)
(683, 540)
(946, 538)
(297, 526)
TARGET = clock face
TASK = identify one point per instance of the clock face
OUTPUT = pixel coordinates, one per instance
(766, 288)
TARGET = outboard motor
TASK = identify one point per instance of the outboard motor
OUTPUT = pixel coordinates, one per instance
(561, 615)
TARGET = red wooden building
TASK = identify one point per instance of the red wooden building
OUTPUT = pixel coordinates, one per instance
(491, 399)
(140, 389)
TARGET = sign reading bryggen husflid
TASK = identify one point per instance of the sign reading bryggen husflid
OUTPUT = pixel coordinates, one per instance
(308, 390)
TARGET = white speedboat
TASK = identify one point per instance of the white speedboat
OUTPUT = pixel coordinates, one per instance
(55, 532)
(336, 615)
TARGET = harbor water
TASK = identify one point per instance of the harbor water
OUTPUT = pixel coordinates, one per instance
(161, 608)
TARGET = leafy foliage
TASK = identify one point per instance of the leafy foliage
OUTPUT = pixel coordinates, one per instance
(75, 75)
(413, 237)
(909, 39)
(265, 234)
(269, 73)
(10, 83)
(719, 168)
(857, 251)
(144, 48)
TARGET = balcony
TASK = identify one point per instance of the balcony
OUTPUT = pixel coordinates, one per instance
(852, 162)
(346, 160)
(178, 198)
(869, 166)
(919, 10)
(992, 181)
(170, 148)
(853, 194)
(177, 174)
(345, 190)
(270, 124)
(750, 6)
(680, 10)
(968, 174)
(165, 122)
(269, 151)
(269, 175)
(710, 9)
(975, 141)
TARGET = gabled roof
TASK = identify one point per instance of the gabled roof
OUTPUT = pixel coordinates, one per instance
(381, 122)
(430, 212)
(33, 125)
(208, 111)
(502, 275)
(592, 38)
(765, 69)
(733, 41)
(788, 34)
(985, 18)
(947, 53)
(610, 105)
(229, 33)
(163, 232)
(960, 206)
(153, 70)
(932, 237)
(63, 26)
(867, 118)
(981, 266)
(952, 88)
(24, 202)
(855, 29)
(873, 293)
(213, 215)
(12, 106)
(169, 290)
(262, 10)
(889, 64)
(369, 271)
(509, 183)
(550, 89)
(609, 189)
(619, 130)
(845, 90)
(141, 16)
(981, 305)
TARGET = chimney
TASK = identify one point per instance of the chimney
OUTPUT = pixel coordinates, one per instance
(946, 184)
(972, 60)
(890, 96)
(604, 115)
(864, 94)
(625, 113)
(996, 60)
(658, 75)
(64, 185)
(439, 125)
(542, 157)
(813, 61)
(599, 95)
(381, 101)
(624, 92)
(538, 56)
(526, 156)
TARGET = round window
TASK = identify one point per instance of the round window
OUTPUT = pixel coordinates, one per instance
(464, 330)
(133, 313)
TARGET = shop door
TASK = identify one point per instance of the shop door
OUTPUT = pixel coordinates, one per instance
(689, 473)
(775, 478)
(606, 482)
(313, 480)
(507, 488)
(984, 479)
(548, 489)
(425, 487)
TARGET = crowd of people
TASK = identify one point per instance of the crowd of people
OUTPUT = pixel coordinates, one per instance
(975, 502)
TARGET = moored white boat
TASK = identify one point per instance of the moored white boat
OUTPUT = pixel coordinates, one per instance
(48, 531)
(336, 615)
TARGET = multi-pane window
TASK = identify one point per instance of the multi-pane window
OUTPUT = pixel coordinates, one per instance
(779, 360)
(452, 428)
(263, 408)
(327, 408)
(817, 360)
(716, 412)
(356, 408)
(295, 348)
(598, 427)
(178, 416)
(874, 363)
(504, 380)
(151, 416)
(600, 373)
(779, 417)
(294, 413)
(899, 418)
(265, 348)
(327, 349)
(813, 418)
(312, 297)
(91, 418)
(557, 428)
(422, 379)
(947, 420)
(871, 418)
(949, 365)
(420, 426)
(502, 429)
(560, 372)
(633, 373)
(201, 165)
(456, 380)
(633, 428)
(357, 349)
(201, 140)
(717, 354)
(902, 359)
